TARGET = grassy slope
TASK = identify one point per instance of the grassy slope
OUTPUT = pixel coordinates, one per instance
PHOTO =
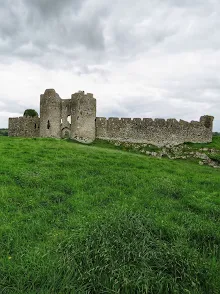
(187, 147)
(85, 219)
(194, 146)
(214, 144)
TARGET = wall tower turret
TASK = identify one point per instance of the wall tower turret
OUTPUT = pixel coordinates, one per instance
(50, 114)
(83, 117)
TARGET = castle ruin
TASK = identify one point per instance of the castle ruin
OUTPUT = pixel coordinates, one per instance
(76, 119)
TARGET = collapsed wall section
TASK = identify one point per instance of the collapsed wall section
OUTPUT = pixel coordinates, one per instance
(159, 132)
(24, 127)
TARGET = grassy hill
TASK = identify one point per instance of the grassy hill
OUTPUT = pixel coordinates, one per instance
(93, 219)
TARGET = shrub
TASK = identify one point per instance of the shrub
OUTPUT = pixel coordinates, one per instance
(30, 112)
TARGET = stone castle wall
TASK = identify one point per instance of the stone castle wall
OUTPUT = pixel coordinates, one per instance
(24, 127)
(158, 132)
(75, 118)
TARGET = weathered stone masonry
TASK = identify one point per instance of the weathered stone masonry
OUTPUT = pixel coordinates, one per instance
(24, 126)
(158, 132)
(55, 117)
(75, 118)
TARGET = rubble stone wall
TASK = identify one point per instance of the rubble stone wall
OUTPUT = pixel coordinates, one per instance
(159, 132)
(24, 127)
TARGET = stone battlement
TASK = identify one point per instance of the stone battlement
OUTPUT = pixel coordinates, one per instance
(160, 121)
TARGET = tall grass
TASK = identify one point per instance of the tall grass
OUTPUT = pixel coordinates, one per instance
(85, 219)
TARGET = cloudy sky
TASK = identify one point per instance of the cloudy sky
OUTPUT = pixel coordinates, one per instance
(142, 58)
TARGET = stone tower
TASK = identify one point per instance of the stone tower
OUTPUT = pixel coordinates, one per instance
(83, 116)
(55, 113)
(50, 114)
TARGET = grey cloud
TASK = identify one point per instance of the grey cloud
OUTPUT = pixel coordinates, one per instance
(167, 26)
(187, 3)
(55, 8)
(93, 31)
(164, 107)
(85, 69)
(85, 35)
(9, 19)
(15, 106)
(146, 106)
(35, 29)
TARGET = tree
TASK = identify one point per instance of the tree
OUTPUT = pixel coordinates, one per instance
(30, 112)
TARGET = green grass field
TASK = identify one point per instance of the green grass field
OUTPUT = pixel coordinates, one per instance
(93, 219)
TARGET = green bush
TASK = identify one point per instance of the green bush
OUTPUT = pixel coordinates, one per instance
(3, 132)
(30, 112)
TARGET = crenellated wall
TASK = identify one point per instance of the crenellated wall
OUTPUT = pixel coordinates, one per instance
(158, 132)
(24, 127)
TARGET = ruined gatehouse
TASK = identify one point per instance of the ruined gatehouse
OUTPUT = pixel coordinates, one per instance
(75, 118)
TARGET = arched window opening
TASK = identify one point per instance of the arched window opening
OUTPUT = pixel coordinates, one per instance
(48, 124)
(61, 121)
(35, 126)
(69, 119)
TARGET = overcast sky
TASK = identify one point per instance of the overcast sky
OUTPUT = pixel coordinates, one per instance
(142, 58)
